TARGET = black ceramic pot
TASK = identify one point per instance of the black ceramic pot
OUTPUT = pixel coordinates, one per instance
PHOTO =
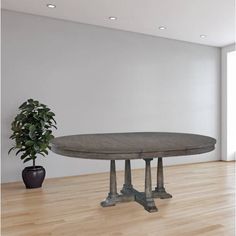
(33, 176)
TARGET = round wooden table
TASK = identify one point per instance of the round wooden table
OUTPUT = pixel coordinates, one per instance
(128, 146)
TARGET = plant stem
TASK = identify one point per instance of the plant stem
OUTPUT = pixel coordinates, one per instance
(33, 162)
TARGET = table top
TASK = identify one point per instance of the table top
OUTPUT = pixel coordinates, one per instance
(140, 145)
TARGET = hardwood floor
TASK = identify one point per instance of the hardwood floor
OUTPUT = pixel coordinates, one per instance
(202, 204)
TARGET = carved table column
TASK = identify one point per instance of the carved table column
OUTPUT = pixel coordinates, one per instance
(160, 191)
(113, 195)
(127, 187)
(150, 204)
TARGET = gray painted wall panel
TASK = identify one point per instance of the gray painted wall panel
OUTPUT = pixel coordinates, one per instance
(103, 80)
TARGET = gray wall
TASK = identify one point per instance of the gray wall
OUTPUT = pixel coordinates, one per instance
(103, 80)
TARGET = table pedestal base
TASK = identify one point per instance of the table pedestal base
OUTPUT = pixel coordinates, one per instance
(128, 193)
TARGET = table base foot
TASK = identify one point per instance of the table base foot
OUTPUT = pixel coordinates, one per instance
(151, 208)
(109, 201)
(147, 203)
(112, 200)
(161, 193)
(128, 195)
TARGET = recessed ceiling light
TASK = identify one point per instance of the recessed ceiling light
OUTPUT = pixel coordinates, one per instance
(203, 36)
(162, 27)
(112, 18)
(51, 5)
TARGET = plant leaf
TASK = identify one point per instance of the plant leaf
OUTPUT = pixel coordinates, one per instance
(27, 159)
(29, 143)
(21, 150)
(50, 114)
(11, 150)
(41, 154)
(32, 129)
(23, 105)
(45, 151)
(36, 147)
(24, 156)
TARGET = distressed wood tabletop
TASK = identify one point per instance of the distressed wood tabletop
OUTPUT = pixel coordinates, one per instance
(126, 146)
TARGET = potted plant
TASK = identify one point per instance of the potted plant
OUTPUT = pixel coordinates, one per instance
(32, 132)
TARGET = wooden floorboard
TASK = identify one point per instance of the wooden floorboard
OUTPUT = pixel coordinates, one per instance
(202, 204)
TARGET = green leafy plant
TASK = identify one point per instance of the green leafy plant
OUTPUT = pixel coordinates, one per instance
(32, 130)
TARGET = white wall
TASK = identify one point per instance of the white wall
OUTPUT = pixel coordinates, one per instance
(231, 116)
(103, 80)
(224, 104)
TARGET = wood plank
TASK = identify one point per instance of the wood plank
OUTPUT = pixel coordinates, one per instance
(202, 204)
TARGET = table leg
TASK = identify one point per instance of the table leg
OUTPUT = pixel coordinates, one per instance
(160, 191)
(150, 204)
(113, 196)
(127, 186)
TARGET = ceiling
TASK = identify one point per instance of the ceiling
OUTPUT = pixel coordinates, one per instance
(184, 19)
